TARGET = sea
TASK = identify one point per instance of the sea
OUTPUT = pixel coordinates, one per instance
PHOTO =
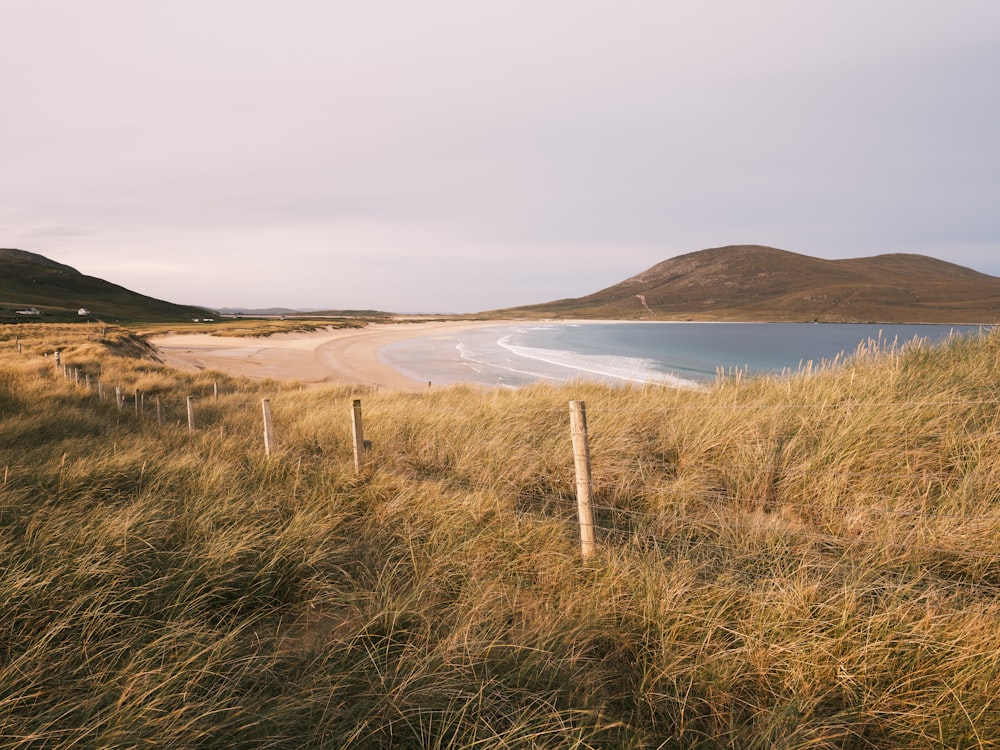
(682, 354)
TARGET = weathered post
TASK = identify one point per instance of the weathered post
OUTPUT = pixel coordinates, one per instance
(86, 381)
(119, 398)
(76, 376)
(159, 410)
(581, 458)
(215, 389)
(268, 432)
(359, 436)
(190, 408)
(138, 403)
(100, 390)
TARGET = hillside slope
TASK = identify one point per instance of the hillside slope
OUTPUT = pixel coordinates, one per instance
(58, 291)
(752, 282)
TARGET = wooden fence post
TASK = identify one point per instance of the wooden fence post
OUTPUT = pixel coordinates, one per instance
(359, 436)
(581, 458)
(138, 408)
(119, 399)
(159, 410)
(190, 408)
(100, 390)
(215, 389)
(268, 432)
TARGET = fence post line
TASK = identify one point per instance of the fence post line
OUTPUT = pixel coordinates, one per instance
(268, 432)
(190, 409)
(359, 436)
(581, 459)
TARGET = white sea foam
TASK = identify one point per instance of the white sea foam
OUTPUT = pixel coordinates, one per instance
(630, 369)
(479, 362)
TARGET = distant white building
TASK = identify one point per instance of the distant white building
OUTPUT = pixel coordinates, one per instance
(83, 311)
(29, 311)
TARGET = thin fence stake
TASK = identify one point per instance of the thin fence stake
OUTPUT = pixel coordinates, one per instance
(159, 410)
(100, 390)
(76, 376)
(359, 436)
(215, 388)
(190, 409)
(86, 380)
(268, 432)
(581, 458)
(138, 408)
(119, 398)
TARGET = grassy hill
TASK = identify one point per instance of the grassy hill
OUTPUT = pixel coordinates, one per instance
(750, 282)
(803, 563)
(58, 291)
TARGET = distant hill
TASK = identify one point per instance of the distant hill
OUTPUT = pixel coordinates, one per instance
(58, 291)
(752, 282)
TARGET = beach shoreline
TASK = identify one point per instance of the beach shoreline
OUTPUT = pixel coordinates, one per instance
(342, 356)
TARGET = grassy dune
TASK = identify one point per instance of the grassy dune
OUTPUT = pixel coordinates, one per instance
(812, 562)
(254, 327)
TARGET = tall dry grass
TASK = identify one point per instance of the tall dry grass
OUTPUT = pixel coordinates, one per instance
(806, 562)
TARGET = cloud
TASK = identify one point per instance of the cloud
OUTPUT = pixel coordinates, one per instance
(447, 142)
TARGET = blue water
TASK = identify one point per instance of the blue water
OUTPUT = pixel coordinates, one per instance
(671, 353)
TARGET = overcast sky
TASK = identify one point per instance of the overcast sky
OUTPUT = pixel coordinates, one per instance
(461, 155)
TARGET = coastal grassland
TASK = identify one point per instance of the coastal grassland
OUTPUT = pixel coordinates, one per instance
(255, 327)
(806, 562)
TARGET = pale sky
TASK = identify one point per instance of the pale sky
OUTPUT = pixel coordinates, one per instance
(461, 155)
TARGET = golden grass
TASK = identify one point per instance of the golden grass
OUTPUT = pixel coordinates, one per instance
(254, 327)
(807, 562)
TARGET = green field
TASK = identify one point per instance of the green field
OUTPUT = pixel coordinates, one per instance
(809, 562)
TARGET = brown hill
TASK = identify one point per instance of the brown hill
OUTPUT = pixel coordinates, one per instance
(752, 282)
(57, 291)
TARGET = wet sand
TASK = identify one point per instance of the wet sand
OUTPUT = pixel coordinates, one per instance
(342, 356)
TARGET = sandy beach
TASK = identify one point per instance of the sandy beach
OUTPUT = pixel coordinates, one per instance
(341, 356)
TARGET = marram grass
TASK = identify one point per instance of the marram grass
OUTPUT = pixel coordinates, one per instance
(804, 562)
